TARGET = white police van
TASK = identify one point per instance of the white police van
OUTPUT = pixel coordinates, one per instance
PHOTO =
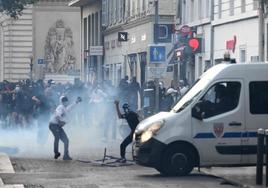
(214, 124)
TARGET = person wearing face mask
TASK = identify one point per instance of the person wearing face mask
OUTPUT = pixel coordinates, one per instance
(132, 120)
(56, 124)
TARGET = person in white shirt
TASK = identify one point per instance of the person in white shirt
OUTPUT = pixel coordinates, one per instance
(57, 121)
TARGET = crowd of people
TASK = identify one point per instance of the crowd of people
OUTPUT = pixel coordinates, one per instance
(24, 103)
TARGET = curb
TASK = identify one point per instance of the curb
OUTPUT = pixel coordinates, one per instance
(7, 168)
(5, 164)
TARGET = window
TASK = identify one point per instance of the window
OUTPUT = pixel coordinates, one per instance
(208, 8)
(85, 33)
(192, 10)
(258, 92)
(89, 31)
(138, 7)
(104, 13)
(243, 6)
(200, 10)
(128, 8)
(143, 5)
(231, 7)
(117, 11)
(178, 14)
(133, 8)
(242, 55)
(221, 98)
(255, 5)
(219, 8)
(122, 9)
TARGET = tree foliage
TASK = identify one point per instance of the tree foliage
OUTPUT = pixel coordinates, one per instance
(14, 8)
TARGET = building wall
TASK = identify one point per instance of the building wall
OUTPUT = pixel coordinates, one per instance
(246, 39)
(16, 46)
(232, 18)
(91, 36)
(24, 38)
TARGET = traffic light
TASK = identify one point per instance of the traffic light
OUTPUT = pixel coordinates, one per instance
(195, 44)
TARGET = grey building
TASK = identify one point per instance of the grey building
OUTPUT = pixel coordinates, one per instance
(92, 39)
(133, 57)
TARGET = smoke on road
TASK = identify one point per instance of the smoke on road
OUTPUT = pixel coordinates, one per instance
(90, 127)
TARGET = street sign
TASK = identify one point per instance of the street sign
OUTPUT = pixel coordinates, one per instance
(157, 54)
(96, 50)
(40, 62)
(162, 33)
(122, 36)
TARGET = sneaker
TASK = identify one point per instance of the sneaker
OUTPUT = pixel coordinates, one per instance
(67, 158)
(122, 160)
(57, 155)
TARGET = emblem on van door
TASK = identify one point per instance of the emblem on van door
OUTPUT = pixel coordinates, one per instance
(218, 129)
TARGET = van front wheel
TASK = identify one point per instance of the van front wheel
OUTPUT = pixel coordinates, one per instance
(177, 161)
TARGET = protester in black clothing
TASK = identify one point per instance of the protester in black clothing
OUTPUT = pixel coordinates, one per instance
(133, 121)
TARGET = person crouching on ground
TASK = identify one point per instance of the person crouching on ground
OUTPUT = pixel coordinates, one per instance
(56, 124)
(132, 120)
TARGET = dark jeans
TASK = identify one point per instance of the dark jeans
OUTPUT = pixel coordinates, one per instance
(125, 143)
(59, 134)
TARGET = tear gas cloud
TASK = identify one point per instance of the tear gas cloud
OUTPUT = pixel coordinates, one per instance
(91, 127)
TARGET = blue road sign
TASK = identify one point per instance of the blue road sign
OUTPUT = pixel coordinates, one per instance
(40, 61)
(157, 54)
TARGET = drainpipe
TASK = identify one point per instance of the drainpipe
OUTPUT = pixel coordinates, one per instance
(261, 30)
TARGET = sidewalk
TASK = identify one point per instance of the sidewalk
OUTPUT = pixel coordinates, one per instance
(244, 176)
(6, 168)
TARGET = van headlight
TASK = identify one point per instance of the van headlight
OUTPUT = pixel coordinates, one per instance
(151, 131)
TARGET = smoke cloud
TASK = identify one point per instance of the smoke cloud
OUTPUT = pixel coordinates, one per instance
(91, 128)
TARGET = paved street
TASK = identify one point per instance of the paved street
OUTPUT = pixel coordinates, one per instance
(46, 173)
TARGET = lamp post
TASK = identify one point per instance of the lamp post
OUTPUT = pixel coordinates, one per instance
(31, 68)
(156, 80)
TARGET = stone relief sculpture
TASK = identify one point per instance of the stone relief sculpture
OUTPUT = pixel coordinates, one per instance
(59, 49)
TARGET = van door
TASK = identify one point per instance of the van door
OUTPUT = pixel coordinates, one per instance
(256, 115)
(220, 131)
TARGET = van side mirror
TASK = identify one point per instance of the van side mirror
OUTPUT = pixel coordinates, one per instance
(197, 111)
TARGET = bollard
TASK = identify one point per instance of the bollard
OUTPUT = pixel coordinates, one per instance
(266, 157)
(260, 152)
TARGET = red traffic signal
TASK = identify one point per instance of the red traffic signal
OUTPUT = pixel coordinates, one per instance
(195, 44)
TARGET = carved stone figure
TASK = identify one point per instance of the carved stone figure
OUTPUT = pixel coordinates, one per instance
(59, 49)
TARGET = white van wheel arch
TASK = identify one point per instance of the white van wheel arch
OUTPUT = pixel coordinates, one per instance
(179, 159)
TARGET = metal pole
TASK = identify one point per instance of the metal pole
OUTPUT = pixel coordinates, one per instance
(261, 30)
(212, 33)
(266, 157)
(259, 169)
(156, 37)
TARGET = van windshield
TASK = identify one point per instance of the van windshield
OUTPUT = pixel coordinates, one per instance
(189, 97)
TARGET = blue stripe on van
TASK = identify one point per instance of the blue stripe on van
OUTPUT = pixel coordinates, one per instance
(227, 135)
(233, 135)
(252, 134)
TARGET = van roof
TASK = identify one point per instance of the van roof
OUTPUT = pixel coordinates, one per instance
(253, 71)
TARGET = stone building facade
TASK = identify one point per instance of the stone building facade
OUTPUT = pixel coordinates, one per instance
(47, 35)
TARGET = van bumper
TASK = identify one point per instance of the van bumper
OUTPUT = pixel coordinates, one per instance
(148, 153)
